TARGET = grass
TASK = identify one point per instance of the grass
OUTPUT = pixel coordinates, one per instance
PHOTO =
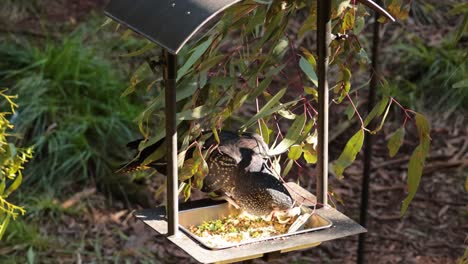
(433, 77)
(70, 110)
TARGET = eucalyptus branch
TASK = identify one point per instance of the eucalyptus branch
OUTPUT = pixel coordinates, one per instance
(405, 110)
(363, 127)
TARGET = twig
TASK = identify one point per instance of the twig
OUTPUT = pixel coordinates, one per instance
(78, 196)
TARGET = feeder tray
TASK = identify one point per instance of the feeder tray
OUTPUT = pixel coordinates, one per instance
(334, 225)
(170, 24)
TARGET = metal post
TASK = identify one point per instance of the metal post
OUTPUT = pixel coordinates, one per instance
(323, 50)
(170, 76)
(368, 140)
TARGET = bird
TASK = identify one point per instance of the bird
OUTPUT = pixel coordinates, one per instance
(237, 172)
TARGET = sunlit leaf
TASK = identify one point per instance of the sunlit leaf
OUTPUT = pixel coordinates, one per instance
(295, 152)
(4, 221)
(310, 154)
(14, 185)
(266, 109)
(287, 168)
(156, 155)
(348, 21)
(265, 131)
(293, 134)
(308, 69)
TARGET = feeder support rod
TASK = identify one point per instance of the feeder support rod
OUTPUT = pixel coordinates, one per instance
(369, 139)
(172, 203)
(323, 50)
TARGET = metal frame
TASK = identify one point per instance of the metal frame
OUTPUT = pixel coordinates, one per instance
(323, 50)
(171, 23)
(170, 78)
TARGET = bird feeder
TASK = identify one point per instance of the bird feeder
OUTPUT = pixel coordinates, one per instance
(170, 24)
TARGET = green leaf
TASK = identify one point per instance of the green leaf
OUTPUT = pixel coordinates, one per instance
(415, 168)
(200, 167)
(156, 155)
(377, 110)
(266, 109)
(308, 69)
(187, 171)
(349, 153)
(342, 6)
(310, 154)
(2, 186)
(295, 152)
(294, 132)
(187, 191)
(12, 150)
(424, 128)
(288, 167)
(3, 225)
(280, 48)
(345, 84)
(16, 183)
(310, 23)
(198, 51)
(195, 113)
(466, 184)
(359, 25)
(417, 160)
(311, 91)
(348, 21)
(261, 87)
(149, 46)
(395, 141)
(349, 112)
(461, 84)
(265, 131)
(363, 57)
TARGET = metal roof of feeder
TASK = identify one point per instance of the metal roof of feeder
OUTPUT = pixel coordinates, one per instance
(169, 23)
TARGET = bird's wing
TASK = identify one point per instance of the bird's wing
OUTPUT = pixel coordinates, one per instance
(222, 171)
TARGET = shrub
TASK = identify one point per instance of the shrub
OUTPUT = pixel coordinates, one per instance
(72, 111)
(12, 160)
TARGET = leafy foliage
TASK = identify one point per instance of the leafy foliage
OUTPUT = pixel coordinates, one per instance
(72, 113)
(249, 49)
(12, 160)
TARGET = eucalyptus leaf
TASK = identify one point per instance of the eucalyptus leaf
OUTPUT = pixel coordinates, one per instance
(308, 69)
(295, 152)
(378, 110)
(196, 54)
(266, 109)
(395, 141)
(347, 157)
(293, 134)
(417, 160)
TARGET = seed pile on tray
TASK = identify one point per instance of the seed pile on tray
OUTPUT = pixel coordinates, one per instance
(235, 229)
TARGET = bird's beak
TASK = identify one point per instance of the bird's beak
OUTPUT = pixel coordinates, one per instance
(374, 6)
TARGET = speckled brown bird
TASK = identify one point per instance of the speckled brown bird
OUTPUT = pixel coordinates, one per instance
(238, 172)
